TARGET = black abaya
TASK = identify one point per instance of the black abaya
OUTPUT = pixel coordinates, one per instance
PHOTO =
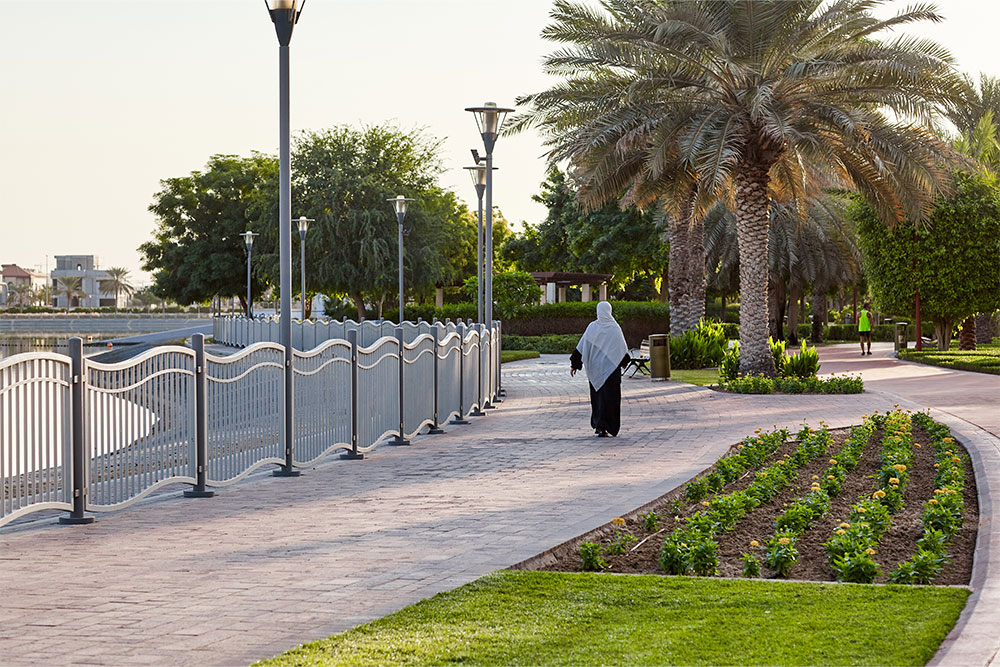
(606, 402)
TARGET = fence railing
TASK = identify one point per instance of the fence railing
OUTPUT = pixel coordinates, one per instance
(81, 436)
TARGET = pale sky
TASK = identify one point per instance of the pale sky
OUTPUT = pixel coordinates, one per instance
(103, 98)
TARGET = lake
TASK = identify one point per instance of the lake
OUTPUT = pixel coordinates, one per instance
(11, 345)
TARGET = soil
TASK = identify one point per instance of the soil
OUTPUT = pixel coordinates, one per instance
(896, 546)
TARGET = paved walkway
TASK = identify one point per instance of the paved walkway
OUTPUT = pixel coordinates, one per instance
(274, 562)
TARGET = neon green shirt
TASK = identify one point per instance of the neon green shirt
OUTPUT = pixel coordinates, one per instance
(864, 321)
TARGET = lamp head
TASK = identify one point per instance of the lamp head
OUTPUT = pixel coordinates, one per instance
(284, 14)
(303, 223)
(399, 203)
(489, 119)
(248, 238)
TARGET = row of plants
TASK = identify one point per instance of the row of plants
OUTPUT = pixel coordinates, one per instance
(781, 553)
(750, 454)
(797, 374)
(690, 547)
(943, 513)
(984, 359)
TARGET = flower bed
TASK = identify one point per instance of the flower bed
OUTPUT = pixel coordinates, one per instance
(892, 499)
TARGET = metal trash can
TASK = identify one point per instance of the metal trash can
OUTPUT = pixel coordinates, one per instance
(900, 339)
(659, 356)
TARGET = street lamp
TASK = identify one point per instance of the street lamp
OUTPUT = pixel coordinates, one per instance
(303, 223)
(399, 203)
(489, 120)
(478, 174)
(285, 14)
(248, 238)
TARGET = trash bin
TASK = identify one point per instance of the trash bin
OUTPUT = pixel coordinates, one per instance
(900, 340)
(659, 356)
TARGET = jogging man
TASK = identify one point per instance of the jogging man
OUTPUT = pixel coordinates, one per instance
(865, 328)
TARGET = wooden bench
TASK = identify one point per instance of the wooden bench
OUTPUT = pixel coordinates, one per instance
(638, 360)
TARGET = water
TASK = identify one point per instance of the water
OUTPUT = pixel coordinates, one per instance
(11, 345)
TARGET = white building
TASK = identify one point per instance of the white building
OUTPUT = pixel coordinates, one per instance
(85, 268)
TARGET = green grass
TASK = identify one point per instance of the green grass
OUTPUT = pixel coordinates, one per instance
(517, 355)
(699, 376)
(551, 618)
(984, 359)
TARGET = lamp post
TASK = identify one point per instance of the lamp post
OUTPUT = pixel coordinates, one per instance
(399, 203)
(489, 120)
(248, 238)
(303, 223)
(285, 14)
(478, 174)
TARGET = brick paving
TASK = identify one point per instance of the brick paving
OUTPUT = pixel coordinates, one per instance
(274, 562)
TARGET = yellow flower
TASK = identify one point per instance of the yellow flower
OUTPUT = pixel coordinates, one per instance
(815, 476)
(879, 494)
(861, 510)
(917, 445)
(938, 491)
(754, 543)
(870, 551)
(895, 405)
(618, 521)
(895, 486)
(739, 446)
(900, 467)
(783, 540)
(841, 531)
(932, 501)
(705, 503)
(833, 462)
(894, 480)
(956, 459)
(757, 431)
(845, 525)
(830, 477)
(949, 440)
(937, 465)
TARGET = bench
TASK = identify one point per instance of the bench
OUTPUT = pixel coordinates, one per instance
(638, 360)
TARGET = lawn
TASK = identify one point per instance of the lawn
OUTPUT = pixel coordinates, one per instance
(551, 618)
(699, 376)
(984, 359)
(517, 355)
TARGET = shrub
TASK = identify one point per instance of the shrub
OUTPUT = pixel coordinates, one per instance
(651, 522)
(552, 344)
(590, 557)
(751, 384)
(751, 566)
(702, 347)
(803, 365)
(778, 352)
(857, 568)
(781, 553)
(729, 368)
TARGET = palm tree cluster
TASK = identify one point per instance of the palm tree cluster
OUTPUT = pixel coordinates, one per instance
(765, 106)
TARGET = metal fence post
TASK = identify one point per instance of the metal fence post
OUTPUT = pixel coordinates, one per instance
(500, 390)
(76, 441)
(354, 454)
(436, 426)
(200, 420)
(480, 405)
(460, 419)
(400, 437)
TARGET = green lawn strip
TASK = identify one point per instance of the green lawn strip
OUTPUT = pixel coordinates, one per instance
(984, 359)
(699, 376)
(517, 355)
(556, 618)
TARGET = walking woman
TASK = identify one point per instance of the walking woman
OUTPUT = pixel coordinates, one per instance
(602, 352)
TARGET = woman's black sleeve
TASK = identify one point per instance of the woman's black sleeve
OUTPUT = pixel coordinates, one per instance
(576, 360)
(625, 360)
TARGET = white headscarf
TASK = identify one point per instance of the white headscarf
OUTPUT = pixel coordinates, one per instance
(602, 346)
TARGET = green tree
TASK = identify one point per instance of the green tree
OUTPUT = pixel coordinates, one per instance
(741, 94)
(197, 251)
(512, 291)
(20, 293)
(70, 287)
(117, 283)
(342, 178)
(954, 261)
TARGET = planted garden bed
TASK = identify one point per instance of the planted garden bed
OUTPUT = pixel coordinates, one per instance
(890, 500)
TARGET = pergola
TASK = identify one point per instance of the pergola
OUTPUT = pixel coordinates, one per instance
(554, 284)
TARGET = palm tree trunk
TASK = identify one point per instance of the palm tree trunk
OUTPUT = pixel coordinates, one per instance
(676, 275)
(967, 337)
(752, 222)
(794, 295)
(984, 328)
(696, 264)
(820, 313)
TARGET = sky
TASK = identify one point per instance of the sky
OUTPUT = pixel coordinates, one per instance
(103, 98)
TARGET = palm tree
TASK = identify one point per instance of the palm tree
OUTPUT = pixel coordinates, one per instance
(117, 283)
(20, 292)
(741, 94)
(70, 287)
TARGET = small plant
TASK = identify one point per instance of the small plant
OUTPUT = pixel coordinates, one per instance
(857, 568)
(621, 540)
(729, 368)
(781, 554)
(696, 490)
(650, 522)
(673, 554)
(778, 352)
(751, 566)
(590, 557)
(803, 365)
(751, 384)
(702, 557)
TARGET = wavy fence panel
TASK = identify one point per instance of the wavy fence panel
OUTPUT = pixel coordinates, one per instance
(378, 392)
(418, 378)
(245, 408)
(322, 401)
(34, 434)
(450, 378)
(139, 432)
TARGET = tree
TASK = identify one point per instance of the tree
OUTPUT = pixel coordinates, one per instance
(954, 261)
(70, 287)
(625, 243)
(512, 291)
(197, 252)
(20, 293)
(740, 94)
(117, 283)
(342, 178)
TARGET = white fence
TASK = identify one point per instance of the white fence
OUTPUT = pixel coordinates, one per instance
(81, 435)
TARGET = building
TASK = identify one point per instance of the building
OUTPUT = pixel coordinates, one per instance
(11, 275)
(85, 268)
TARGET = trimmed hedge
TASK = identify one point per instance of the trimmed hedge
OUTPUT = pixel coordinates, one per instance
(554, 344)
